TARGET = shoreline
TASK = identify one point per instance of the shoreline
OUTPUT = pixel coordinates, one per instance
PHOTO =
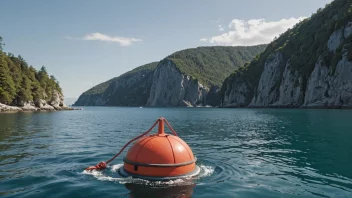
(48, 108)
(243, 107)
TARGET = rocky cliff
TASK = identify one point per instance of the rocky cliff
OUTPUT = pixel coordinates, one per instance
(172, 88)
(190, 77)
(308, 66)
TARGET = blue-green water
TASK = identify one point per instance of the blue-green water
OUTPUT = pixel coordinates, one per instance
(242, 152)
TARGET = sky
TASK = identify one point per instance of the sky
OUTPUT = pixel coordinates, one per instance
(84, 42)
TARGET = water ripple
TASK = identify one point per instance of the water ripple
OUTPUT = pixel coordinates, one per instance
(241, 152)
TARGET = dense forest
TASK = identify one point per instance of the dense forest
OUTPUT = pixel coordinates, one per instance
(21, 83)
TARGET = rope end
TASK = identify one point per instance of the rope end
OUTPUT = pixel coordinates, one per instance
(100, 166)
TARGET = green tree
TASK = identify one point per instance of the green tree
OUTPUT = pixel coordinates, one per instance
(1, 44)
(25, 90)
(7, 87)
(37, 91)
(15, 71)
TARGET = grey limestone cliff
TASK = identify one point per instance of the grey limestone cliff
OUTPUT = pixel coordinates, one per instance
(172, 88)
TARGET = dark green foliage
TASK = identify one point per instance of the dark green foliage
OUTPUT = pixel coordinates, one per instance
(1, 44)
(211, 65)
(7, 86)
(345, 46)
(302, 45)
(22, 83)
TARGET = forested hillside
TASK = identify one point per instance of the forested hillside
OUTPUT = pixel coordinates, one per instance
(211, 65)
(22, 84)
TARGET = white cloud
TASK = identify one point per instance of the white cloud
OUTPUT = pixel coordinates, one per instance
(221, 29)
(123, 41)
(252, 32)
(204, 39)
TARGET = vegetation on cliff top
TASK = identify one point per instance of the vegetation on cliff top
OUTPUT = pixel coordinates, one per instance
(20, 82)
(100, 88)
(302, 45)
(211, 65)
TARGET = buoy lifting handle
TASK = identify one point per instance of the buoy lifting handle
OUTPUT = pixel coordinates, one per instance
(161, 126)
(161, 129)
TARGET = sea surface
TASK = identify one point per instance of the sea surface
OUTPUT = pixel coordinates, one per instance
(241, 152)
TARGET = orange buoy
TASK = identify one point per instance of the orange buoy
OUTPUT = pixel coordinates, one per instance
(160, 157)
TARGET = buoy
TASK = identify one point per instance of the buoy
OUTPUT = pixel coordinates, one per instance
(157, 157)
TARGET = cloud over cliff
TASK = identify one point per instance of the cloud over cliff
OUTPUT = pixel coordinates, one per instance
(252, 32)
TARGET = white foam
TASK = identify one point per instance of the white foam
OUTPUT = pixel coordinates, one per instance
(115, 168)
(100, 176)
(205, 171)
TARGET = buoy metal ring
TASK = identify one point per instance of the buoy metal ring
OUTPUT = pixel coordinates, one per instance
(158, 165)
(124, 173)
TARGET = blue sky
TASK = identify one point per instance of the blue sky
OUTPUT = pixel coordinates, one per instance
(84, 42)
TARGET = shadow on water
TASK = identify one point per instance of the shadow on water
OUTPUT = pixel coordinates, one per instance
(146, 191)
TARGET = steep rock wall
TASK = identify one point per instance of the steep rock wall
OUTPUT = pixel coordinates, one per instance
(172, 88)
(269, 80)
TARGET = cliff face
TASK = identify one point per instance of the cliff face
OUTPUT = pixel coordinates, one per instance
(172, 88)
(286, 82)
(328, 86)
(131, 90)
(190, 77)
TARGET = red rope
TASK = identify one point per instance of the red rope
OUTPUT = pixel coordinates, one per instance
(173, 131)
(102, 165)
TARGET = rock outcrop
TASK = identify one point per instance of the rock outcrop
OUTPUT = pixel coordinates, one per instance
(237, 93)
(268, 84)
(286, 83)
(172, 88)
(291, 89)
(330, 90)
(7, 108)
(56, 103)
